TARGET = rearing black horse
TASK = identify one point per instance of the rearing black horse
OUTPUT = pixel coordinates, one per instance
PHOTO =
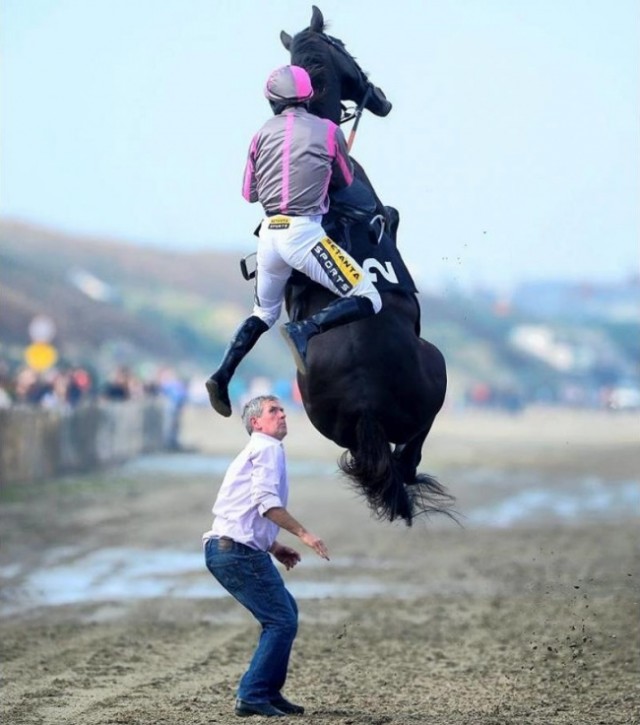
(375, 383)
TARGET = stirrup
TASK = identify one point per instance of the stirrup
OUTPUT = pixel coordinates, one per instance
(378, 219)
(299, 356)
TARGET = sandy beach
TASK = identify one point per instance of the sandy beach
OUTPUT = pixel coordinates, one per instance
(526, 613)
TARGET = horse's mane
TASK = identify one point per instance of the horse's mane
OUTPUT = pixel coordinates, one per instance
(311, 53)
(314, 50)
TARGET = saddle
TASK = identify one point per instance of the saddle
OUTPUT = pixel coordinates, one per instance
(370, 240)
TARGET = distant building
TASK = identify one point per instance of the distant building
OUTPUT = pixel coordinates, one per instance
(614, 302)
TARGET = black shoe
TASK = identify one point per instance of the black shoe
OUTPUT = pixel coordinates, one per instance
(218, 396)
(289, 708)
(265, 709)
(297, 336)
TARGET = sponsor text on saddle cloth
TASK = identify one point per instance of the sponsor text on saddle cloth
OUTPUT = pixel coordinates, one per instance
(333, 262)
(338, 266)
(382, 261)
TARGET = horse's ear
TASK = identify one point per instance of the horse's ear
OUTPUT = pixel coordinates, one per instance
(317, 21)
(286, 39)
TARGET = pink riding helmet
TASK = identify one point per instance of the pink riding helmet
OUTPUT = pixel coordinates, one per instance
(290, 83)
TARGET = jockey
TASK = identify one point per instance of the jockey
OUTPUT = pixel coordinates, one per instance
(294, 160)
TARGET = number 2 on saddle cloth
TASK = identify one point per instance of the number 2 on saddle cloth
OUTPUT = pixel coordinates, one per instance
(371, 245)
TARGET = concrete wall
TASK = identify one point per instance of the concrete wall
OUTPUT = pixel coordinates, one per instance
(37, 444)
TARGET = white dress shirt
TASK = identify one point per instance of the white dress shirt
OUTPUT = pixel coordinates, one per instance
(255, 482)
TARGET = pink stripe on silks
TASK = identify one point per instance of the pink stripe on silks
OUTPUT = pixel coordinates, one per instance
(246, 182)
(334, 150)
(301, 79)
(331, 150)
(331, 138)
(286, 159)
(248, 172)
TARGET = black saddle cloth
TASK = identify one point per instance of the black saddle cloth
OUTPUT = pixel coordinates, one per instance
(382, 261)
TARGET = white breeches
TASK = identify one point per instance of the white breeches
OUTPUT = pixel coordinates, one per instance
(287, 243)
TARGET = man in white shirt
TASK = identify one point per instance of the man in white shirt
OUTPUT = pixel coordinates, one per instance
(249, 511)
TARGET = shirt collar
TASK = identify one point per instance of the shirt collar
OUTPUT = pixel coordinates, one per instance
(265, 438)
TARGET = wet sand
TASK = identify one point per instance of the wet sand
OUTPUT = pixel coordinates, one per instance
(535, 622)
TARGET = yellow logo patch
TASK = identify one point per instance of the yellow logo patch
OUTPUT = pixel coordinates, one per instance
(347, 266)
(279, 222)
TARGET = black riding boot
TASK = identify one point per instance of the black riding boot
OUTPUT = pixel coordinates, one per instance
(243, 340)
(339, 312)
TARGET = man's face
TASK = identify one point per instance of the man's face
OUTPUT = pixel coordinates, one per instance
(272, 421)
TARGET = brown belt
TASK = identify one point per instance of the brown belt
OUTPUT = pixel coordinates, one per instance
(225, 543)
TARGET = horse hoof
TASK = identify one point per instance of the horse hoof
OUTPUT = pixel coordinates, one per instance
(215, 398)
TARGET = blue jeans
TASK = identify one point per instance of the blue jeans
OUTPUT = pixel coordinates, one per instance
(251, 577)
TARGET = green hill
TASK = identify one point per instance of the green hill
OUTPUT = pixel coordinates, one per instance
(114, 302)
(111, 300)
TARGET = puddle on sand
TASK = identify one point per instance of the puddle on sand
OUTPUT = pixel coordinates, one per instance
(582, 499)
(129, 574)
(588, 500)
(121, 574)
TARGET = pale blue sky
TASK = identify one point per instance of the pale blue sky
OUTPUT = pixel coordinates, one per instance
(512, 151)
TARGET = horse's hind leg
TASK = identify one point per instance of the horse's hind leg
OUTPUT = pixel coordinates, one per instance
(409, 455)
(426, 493)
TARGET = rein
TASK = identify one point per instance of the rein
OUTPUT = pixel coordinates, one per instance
(357, 115)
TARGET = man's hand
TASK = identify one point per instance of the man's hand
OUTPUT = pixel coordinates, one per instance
(285, 520)
(315, 543)
(285, 555)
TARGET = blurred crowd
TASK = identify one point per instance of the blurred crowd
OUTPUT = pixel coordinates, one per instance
(55, 388)
(625, 396)
(65, 389)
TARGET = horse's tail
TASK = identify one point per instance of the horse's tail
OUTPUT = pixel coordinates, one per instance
(378, 476)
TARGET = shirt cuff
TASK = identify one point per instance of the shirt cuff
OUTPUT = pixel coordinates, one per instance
(268, 503)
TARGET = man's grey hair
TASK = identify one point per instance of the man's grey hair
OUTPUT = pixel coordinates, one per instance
(253, 409)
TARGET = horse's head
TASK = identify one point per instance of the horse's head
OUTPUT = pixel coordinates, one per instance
(335, 74)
